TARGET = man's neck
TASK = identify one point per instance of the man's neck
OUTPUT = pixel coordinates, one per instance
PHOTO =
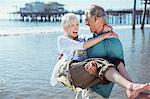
(100, 28)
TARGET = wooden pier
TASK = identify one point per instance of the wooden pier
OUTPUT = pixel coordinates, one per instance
(40, 12)
(125, 16)
(145, 13)
(115, 17)
(44, 16)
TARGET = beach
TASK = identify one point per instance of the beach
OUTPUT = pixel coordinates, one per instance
(28, 53)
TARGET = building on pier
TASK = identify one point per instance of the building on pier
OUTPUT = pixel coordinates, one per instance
(39, 11)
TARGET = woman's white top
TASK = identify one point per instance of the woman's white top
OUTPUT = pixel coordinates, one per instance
(70, 48)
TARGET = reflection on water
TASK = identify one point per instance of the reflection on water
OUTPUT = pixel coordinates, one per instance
(133, 38)
(26, 63)
(140, 55)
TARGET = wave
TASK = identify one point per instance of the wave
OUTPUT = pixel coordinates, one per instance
(17, 31)
(129, 26)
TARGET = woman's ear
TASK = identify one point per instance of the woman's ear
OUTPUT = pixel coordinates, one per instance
(65, 29)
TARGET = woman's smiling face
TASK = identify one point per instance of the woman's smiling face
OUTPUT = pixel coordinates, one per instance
(72, 29)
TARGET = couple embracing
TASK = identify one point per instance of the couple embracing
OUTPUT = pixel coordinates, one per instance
(93, 63)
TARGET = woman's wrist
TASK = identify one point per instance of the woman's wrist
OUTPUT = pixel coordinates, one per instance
(103, 37)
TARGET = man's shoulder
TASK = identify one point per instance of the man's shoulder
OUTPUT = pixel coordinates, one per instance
(113, 39)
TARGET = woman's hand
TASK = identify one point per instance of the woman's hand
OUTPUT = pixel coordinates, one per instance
(110, 35)
(107, 28)
(114, 35)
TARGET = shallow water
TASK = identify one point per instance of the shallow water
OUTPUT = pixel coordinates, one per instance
(26, 64)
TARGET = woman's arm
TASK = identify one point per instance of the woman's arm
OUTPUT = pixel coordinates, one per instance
(98, 39)
(64, 43)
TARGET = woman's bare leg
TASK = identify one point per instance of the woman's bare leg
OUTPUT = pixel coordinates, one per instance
(132, 89)
(123, 71)
(143, 96)
(113, 75)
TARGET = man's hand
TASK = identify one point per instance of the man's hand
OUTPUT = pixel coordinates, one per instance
(91, 67)
(60, 56)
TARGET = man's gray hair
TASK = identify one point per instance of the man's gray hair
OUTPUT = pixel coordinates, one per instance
(95, 10)
(67, 18)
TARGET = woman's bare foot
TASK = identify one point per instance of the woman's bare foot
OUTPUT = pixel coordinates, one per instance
(135, 89)
(148, 88)
(91, 67)
(143, 95)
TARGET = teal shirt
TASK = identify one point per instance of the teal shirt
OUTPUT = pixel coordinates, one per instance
(111, 48)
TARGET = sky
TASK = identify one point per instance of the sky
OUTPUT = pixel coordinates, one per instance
(7, 6)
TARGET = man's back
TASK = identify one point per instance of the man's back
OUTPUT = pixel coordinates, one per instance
(108, 48)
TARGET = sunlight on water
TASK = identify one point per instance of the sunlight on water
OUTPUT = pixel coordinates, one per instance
(28, 30)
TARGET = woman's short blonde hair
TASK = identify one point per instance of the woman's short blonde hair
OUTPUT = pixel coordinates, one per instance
(67, 18)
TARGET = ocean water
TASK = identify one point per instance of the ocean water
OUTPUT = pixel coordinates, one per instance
(28, 53)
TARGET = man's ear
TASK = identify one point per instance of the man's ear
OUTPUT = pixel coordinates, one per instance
(95, 18)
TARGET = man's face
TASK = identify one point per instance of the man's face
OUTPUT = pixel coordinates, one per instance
(91, 22)
(72, 29)
(95, 23)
